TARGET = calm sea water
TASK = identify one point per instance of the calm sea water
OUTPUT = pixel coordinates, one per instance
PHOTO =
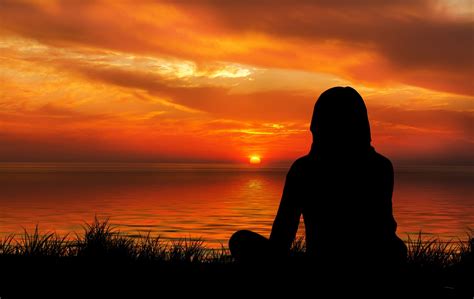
(208, 201)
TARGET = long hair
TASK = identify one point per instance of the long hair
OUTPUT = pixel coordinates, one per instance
(340, 123)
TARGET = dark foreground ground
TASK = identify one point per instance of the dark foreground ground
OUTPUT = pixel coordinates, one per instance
(104, 264)
(36, 278)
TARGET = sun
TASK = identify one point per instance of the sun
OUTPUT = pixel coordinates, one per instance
(255, 160)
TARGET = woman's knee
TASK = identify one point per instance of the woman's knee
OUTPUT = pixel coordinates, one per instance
(238, 238)
(244, 244)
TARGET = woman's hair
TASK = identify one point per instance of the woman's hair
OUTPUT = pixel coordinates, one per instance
(340, 119)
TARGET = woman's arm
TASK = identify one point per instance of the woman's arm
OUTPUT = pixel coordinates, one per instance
(390, 225)
(287, 219)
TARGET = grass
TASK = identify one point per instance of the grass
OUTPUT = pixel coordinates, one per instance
(100, 239)
(432, 263)
(435, 254)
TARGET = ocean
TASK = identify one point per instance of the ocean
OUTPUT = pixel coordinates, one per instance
(208, 201)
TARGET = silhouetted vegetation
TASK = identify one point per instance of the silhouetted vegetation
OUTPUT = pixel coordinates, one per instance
(441, 266)
(102, 240)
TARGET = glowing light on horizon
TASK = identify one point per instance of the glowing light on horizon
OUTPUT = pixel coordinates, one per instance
(255, 160)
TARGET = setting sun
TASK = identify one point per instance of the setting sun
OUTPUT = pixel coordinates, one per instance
(255, 160)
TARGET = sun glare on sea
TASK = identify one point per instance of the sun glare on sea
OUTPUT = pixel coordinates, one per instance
(255, 160)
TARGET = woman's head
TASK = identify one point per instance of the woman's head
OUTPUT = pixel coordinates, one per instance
(340, 119)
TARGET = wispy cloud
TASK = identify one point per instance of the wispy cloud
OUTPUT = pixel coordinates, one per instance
(213, 80)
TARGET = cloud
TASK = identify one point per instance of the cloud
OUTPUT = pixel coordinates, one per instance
(414, 42)
(423, 135)
(409, 36)
(181, 81)
(186, 96)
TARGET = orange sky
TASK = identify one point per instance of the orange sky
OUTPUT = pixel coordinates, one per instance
(223, 80)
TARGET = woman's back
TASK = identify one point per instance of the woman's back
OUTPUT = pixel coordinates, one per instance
(344, 201)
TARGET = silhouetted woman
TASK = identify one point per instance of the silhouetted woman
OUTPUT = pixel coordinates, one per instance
(343, 188)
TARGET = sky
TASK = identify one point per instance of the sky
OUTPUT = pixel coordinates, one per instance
(220, 81)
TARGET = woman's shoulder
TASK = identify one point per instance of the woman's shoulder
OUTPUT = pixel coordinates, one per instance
(382, 162)
(300, 165)
(301, 162)
(306, 163)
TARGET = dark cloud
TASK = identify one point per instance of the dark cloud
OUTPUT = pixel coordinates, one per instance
(53, 113)
(409, 34)
(421, 44)
(421, 135)
(459, 122)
